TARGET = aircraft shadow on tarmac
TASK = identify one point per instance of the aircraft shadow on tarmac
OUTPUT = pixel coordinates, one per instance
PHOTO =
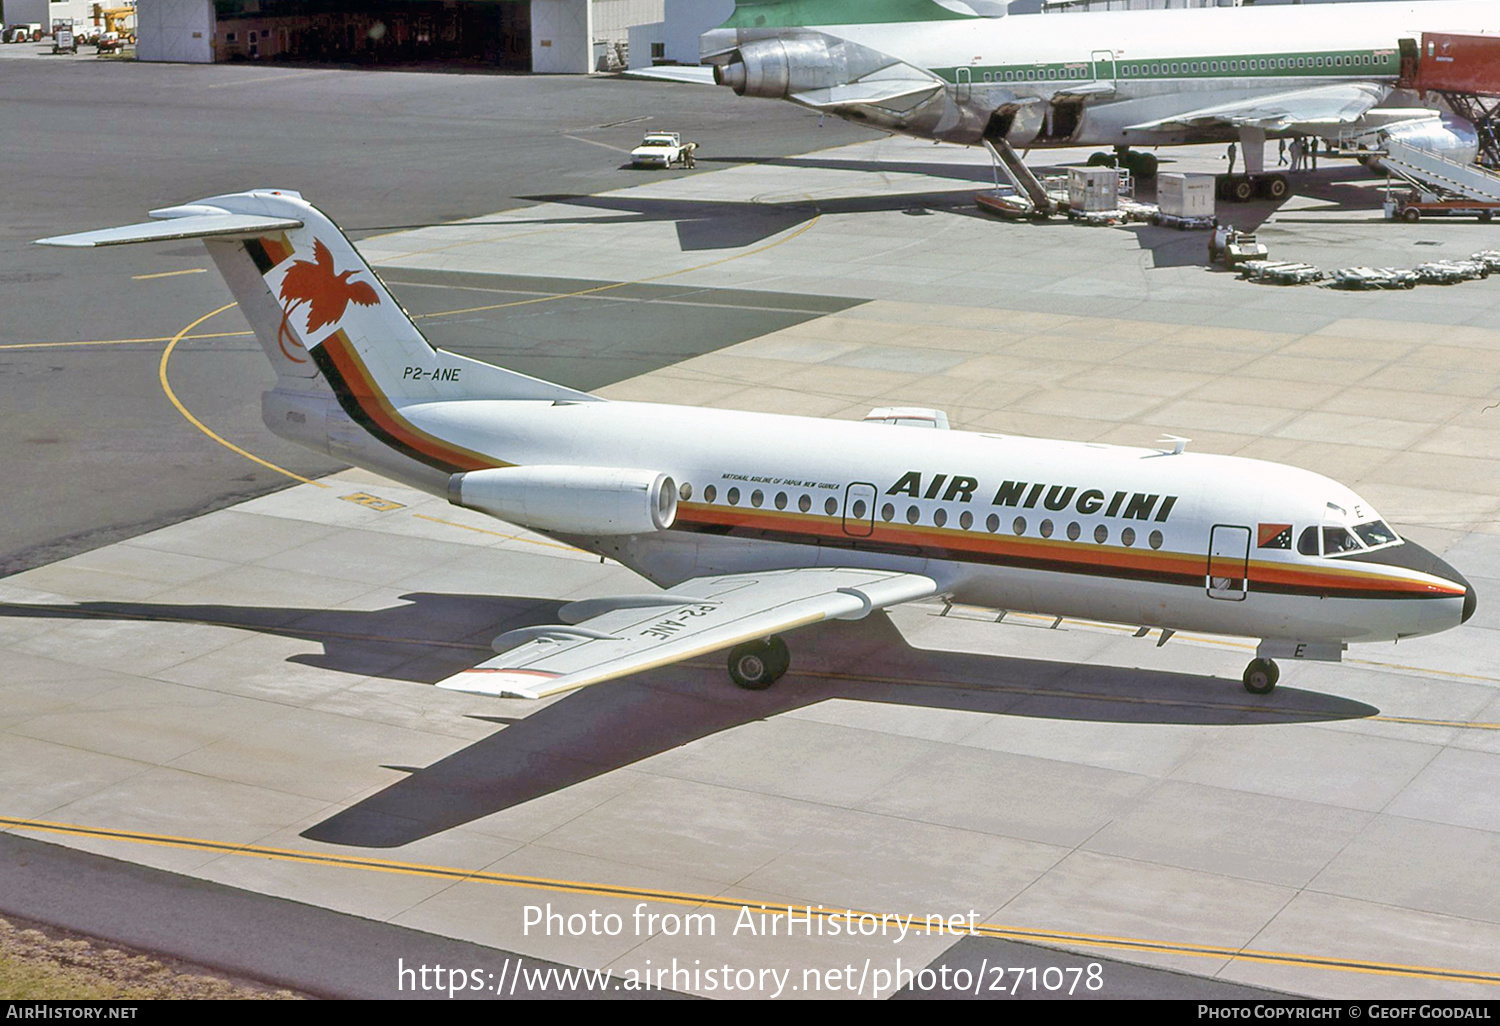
(595, 730)
(729, 224)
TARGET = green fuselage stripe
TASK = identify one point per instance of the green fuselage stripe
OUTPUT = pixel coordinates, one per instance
(1336, 64)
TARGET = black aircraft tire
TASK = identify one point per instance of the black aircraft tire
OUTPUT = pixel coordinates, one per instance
(1275, 187)
(1261, 676)
(756, 665)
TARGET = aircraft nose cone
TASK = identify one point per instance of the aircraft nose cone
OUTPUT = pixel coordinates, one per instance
(1414, 557)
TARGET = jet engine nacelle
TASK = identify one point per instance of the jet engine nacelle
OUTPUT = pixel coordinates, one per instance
(1447, 135)
(775, 68)
(592, 501)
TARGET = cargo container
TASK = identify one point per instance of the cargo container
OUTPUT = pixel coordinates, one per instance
(1179, 195)
(1093, 189)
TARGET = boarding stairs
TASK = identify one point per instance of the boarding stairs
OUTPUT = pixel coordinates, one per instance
(1008, 161)
(1427, 170)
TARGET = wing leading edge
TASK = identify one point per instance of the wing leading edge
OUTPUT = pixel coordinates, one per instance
(615, 637)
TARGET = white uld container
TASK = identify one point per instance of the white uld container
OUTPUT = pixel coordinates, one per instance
(1185, 195)
(1093, 188)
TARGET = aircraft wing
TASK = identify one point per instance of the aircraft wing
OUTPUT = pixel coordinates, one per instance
(1339, 103)
(696, 74)
(878, 92)
(619, 636)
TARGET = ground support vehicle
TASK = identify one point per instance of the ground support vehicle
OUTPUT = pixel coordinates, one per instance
(1232, 247)
(662, 149)
(1417, 204)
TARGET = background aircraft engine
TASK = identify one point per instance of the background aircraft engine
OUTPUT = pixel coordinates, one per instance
(1449, 135)
(773, 68)
(593, 501)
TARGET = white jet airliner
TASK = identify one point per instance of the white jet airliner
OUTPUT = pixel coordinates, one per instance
(757, 523)
(942, 69)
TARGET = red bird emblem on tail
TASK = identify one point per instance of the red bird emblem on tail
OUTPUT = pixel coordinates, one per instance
(326, 294)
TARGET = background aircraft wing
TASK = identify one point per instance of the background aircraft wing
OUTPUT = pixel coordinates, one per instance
(697, 74)
(880, 92)
(614, 637)
(1338, 103)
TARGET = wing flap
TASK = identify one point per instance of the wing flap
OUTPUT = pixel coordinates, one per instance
(705, 615)
(1339, 103)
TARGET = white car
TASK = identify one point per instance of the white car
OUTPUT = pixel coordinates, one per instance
(660, 149)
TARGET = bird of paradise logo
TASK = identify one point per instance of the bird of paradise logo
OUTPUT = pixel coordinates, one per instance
(326, 295)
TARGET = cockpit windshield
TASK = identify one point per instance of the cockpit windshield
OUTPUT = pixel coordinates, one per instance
(1333, 540)
(1375, 533)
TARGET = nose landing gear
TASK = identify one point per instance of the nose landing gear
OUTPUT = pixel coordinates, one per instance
(1261, 676)
(756, 665)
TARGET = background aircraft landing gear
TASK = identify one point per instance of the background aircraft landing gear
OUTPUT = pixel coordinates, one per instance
(1141, 165)
(1244, 188)
(756, 665)
(1261, 676)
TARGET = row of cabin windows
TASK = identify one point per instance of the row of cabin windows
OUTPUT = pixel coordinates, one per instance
(860, 510)
(1192, 67)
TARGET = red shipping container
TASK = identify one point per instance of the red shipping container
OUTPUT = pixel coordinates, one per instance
(1459, 64)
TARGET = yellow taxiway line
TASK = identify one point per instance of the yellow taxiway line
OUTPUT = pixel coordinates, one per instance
(168, 274)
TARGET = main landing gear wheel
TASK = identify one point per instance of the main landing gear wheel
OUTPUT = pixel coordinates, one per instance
(1261, 676)
(756, 665)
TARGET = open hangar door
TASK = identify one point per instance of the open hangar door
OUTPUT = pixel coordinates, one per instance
(481, 34)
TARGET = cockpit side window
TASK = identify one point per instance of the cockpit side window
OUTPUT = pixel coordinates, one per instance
(1307, 544)
(1337, 540)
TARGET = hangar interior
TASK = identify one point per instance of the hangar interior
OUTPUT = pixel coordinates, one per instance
(546, 36)
(494, 32)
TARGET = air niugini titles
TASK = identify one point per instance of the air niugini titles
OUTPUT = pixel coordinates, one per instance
(1027, 495)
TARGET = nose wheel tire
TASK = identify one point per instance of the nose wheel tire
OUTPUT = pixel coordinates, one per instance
(756, 665)
(1261, 676)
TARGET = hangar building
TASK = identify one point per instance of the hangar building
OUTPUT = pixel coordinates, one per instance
(545, 36)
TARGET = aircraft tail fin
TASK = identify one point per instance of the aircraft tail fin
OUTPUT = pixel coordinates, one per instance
(317, 308)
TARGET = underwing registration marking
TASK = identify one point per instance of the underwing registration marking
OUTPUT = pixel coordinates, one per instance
(676, 621)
